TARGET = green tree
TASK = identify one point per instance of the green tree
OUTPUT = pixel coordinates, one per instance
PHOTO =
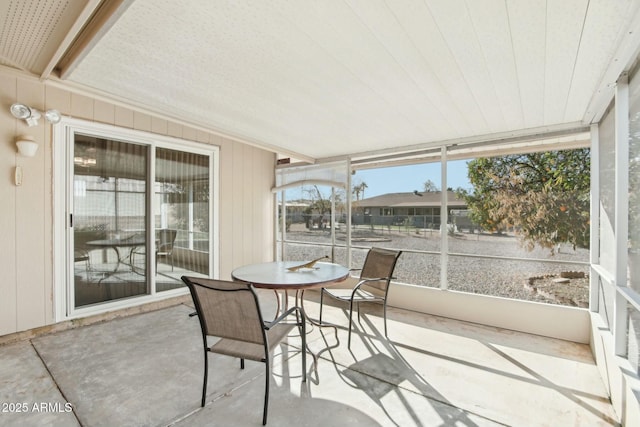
(544, 196)
(358, 189)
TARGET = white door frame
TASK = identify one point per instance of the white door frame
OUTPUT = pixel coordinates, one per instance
(63, 281)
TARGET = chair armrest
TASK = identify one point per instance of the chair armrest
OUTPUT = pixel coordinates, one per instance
(364, 282)
(269, 325)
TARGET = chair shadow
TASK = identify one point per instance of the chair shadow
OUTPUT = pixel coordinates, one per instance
(406, 372)
(389, 373)
(380, 374)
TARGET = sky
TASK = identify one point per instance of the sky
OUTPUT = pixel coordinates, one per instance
(411, 177)
(400, 179)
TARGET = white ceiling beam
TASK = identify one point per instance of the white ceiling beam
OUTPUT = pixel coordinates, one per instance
(101, 20)
(470, 152)
(543, 132)
(73, 32)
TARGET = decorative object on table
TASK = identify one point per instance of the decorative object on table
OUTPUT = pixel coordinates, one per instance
(309, 264)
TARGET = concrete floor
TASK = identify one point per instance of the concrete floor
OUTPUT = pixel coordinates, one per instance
(146, 370)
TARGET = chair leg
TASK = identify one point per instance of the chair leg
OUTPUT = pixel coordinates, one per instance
(384, 316)
(241, 363)
(351, 321)
(266, 390)
(304, 350)
(206, 375)
(321, 295)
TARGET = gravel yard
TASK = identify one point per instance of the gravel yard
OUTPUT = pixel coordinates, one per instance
(529, 277)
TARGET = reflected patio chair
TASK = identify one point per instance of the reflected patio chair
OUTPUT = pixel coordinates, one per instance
(371, 286)
(230, 311)
(82, 255)
(165, 240)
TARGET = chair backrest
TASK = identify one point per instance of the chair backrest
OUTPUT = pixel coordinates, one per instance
(166, 239)
(379, 263)
(227, 309)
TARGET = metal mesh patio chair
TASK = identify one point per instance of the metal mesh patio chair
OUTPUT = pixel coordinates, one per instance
(165, 239)
(230, 311)
(372, 285)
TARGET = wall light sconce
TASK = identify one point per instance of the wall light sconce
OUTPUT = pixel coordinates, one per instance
(31, 115)
(27, 145)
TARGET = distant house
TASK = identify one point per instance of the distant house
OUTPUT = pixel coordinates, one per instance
(412, 209)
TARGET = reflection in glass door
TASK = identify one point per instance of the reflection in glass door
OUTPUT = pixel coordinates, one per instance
(109, 226)
(181, 216)
(136, 229)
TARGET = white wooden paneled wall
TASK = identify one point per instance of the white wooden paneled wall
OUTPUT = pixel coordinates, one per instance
(26, 212)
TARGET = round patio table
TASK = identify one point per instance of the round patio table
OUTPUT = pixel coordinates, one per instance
(131, 242)
(275, 275)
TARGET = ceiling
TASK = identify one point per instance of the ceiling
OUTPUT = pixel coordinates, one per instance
(334, 78)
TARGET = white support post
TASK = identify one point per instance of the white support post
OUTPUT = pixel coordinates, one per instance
(276, 226)
(283, 225)
(594, 244)
(349, 197)
(444, 219)
(190, 225)
(332, 224)
(621, 212)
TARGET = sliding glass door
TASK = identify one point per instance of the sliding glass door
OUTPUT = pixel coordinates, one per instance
(181, 216)
(109, 226)
(140, 217)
